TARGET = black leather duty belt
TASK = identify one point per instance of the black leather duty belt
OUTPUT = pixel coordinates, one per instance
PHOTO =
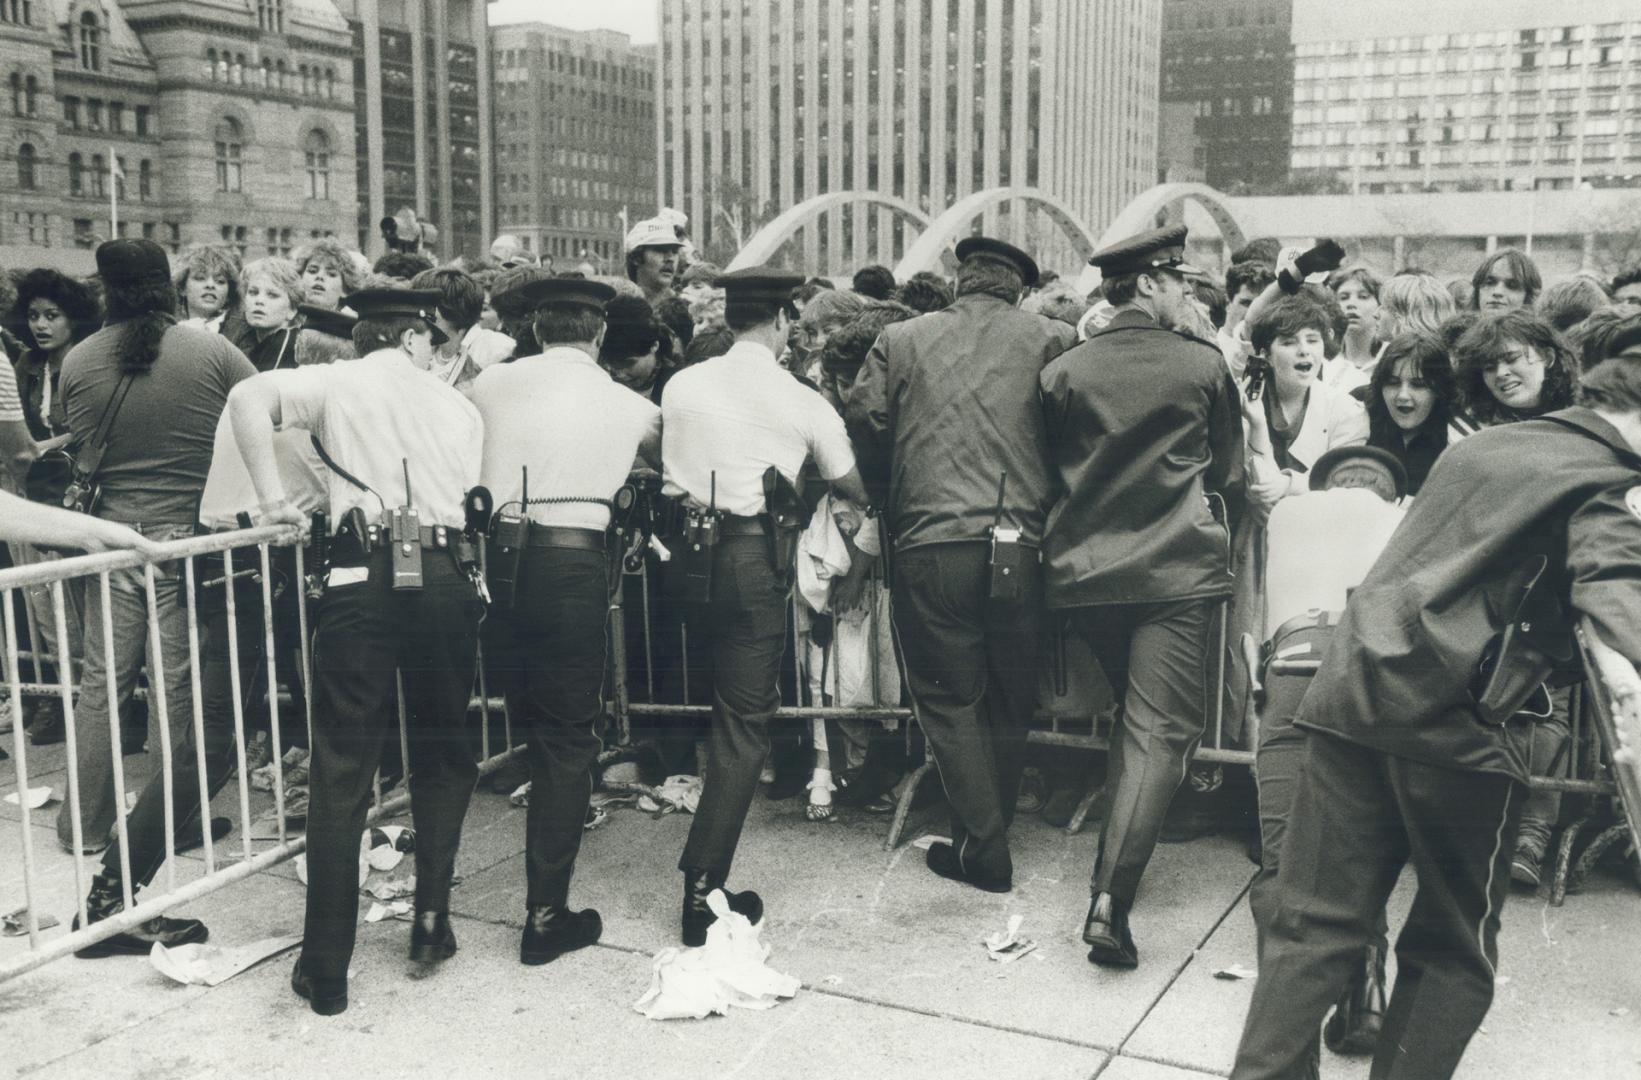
(738, 525)
(562, 536)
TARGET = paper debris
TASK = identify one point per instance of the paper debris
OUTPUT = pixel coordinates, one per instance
(385, 847)
(596, 816)
(520, 795)
(14, 923)
(1236, 971)
(1620, 1011)
(392, 888)
(729, 970)
(1007, 945)
(396, 909)
(928, 840)
(833, 980)
(209, 965)
(678, 793)
(37, 797)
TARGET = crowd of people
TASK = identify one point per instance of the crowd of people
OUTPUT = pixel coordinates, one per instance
(865, 494)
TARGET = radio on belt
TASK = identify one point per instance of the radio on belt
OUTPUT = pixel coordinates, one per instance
(1008, 555)
(405, 536)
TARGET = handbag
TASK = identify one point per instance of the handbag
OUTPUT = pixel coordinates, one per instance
(66, 475)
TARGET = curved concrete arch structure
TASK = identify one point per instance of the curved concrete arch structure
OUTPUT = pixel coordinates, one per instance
(1141, 214)
(925, 253)
(768, 240)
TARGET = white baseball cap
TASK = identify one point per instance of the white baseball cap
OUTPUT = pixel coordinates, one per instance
(654, 232)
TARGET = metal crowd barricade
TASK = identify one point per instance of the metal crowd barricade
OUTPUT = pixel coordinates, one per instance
(166, 891)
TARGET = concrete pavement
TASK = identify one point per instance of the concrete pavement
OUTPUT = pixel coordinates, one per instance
(896, 981)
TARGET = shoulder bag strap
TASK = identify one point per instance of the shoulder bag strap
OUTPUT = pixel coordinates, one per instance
(91, 455)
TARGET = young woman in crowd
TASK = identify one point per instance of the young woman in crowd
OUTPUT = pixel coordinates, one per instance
(329, 272)
(55, 312)
(1412, 302)
(270, 289)
(1514, 366)
(1508, 278)
(208, 283)
(828, 312)
(637, 349)
(1413, 406)
(1357, 290)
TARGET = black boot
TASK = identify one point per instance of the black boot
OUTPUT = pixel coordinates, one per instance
(551, 931)
(942, 859)
(1360, 1015)
(698, 885)
(431, 938)
(106, 900)
(326, 996)
(1106, 933)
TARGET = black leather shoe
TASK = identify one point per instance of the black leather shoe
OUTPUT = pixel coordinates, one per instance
(550, 932)
(698, 885)
(1106, 933)
(327, 997)
(49, 732)
(942, 859)
(106, 900)
(431, 938)
(1359, 1017)
(191, 840)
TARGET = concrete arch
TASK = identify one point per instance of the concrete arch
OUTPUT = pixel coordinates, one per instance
(925, 254)
(768, 240)
(1141, 214)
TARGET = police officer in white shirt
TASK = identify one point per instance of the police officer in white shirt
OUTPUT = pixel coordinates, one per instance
(725, 422)
(559, 422)
(404, 449)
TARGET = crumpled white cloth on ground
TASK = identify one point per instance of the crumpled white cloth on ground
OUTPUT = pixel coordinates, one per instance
(729, 970)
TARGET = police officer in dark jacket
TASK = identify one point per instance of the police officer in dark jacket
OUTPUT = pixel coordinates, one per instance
(949, 399)
(1147, 439)
(1416, 742)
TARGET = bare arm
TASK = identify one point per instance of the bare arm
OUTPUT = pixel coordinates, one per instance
(254, 411)
(49, 526)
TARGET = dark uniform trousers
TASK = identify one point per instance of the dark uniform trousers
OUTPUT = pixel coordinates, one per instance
(1357, 816)
(553, 678)
(1156, 657)
(145, 827)
(365, 631)
(971, 667)
(744, 633)
(1277, 765)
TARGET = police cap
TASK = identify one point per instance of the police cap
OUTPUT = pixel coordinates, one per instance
(569, 291)
(335, 323)
(759, 285)
(398, 304)
(970, 246)
(1157, 249)
(1360, 466)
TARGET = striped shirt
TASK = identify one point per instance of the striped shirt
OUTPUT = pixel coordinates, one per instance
(11, 403)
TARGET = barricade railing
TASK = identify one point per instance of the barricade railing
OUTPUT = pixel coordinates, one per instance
(248, 549)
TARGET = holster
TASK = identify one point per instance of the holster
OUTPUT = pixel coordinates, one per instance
(1531, 648)
(788, 516)
(509, 536)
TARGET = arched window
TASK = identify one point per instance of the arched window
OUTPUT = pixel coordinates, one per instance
(229, 150)
(91, 43)
(279, 70)
(25, 167)
(316, 156)
(267, 73)
(99, 175)
(31, 90)
(239, 69)
(76, 174)
(145, 179)
(119, 177)
(330, 82)
(16, 94)
(307, 80)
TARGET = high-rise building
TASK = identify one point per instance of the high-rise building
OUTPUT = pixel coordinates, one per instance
(423, 127)
(187, 123)
(1227, 90)
(575, 139)
(1467, 94)
(766, 104)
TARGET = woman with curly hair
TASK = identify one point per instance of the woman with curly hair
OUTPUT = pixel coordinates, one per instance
(56, 312)
(1512, 365)
(1413, 405)
(207, 282)
(329, 272)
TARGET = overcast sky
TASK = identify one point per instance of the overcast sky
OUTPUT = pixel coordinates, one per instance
(635, 18)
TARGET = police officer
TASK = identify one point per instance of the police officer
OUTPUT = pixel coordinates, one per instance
(403, 450)
(558, 423)
(726, 422)
(949, 400)
(1145, 426)
(1416, 748)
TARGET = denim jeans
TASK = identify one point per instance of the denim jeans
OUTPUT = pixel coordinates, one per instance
(95, 751)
